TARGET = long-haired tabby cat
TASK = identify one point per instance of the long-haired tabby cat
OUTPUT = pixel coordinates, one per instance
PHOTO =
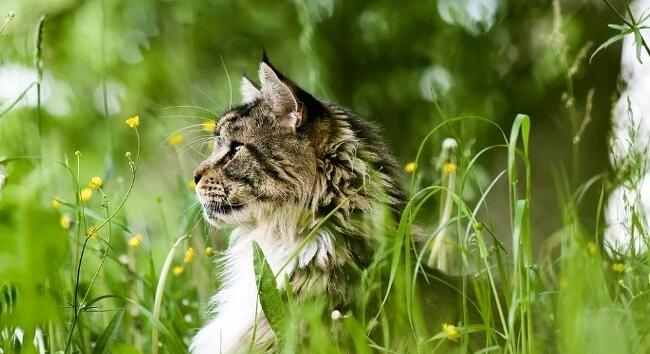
(282, 161)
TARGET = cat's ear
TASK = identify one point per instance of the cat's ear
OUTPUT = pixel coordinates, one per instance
(249, 92)
(280, 95)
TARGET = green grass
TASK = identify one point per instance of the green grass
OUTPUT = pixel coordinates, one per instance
(88, 291)
(97, 292)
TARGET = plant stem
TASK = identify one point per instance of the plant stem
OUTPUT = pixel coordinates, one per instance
(160, 290)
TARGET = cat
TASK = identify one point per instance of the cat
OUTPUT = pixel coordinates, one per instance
(282, 162)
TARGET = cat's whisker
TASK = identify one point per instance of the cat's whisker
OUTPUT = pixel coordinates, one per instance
(195, 148)
(189, 208)
(193, 117)
(229, 82)
(192, 129)
(213, 113)
(196, 88)
(199, 140)
(197, 220)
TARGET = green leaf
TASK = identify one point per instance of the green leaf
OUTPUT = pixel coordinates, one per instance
(521, 124)
(15, 102)
(644, 16)
(105, 342)
(638, 41)
(621, 28)
(270, 299)
(174, 343)
(609, 42)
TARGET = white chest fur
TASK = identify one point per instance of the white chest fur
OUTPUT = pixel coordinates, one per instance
(236, 306)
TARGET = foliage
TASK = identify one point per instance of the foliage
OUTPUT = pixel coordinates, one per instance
(102, 246)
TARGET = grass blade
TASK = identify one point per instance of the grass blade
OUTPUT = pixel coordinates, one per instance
(270, 298)
(109, 335)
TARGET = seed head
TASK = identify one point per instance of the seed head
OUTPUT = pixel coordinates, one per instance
(449, 144)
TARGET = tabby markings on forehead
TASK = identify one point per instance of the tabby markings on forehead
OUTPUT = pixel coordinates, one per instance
(231, 117)
(225, 119)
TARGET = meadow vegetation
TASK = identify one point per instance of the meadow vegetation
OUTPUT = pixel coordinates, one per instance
(102, 244)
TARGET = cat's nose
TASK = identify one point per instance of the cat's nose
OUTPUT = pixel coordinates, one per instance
(201, 170)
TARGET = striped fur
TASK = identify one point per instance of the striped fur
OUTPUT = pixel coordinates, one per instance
(282, 162)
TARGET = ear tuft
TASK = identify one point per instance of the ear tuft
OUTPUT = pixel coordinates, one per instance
(279, 94)
(249, 91)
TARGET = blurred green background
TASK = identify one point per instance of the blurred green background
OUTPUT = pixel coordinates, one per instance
(387, 61)
(407, 65)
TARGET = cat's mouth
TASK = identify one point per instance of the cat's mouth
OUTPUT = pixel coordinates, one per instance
(215, 209)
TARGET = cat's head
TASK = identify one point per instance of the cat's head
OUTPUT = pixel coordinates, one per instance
(264, 151)
(283, 154)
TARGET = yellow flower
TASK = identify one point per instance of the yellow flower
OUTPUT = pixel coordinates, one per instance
(86, 194)
(56, 202)
(135, 241)
(189, 255)
(178, 270)
(410, 167)
(449, 168)
(618, 267)
(208, 126)
(209, 251)
(191, 184)
(451, 331)
(95, 182)
(65, 221)
(175, 139)
(592, 248)
(133, 121)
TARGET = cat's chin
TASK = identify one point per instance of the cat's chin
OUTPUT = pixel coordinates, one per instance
(220, 217)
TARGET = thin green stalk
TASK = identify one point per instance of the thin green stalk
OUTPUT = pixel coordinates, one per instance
(76, 307)
(160, 289)
(105, 255)
(10, 18)
(39, 82)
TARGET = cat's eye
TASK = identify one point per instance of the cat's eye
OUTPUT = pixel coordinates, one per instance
(235, 146)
